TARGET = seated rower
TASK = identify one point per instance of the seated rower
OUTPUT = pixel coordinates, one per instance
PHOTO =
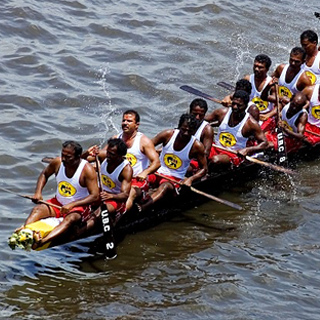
(236, 126)
(116, 176)
(77, 188)
(179, 146)
(313, 124)
(294, 117)
(245, 85)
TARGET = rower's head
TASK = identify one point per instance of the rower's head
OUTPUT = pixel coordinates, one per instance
(71, 153)
(261, 65)
(298, 101)
(198, 108)
(130, 121)
(187, 125)
(116, 150)
(297, 58)
(240, 101)
(309, 41)
(244, 84)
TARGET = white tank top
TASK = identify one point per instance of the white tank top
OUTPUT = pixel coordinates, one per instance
(290, 123)
(263, 106)
(200, 129)
(231, 137)
(288, 89)
(136, 158)
(313, 72)
(314, 108)
(69, 189)
(175, 163)
(110, 181)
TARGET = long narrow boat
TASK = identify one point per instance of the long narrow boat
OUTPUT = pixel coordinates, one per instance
(214, 183)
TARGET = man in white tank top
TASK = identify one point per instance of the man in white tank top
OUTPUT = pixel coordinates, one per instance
(313, 125)
(77, 188)
(235, 128)
(294, 117)
(309, 42)
(179, 146)
(290, 77)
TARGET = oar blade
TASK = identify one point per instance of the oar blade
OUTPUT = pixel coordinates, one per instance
(199, 93)
(226, 85)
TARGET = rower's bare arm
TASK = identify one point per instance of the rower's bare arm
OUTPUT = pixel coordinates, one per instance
(226, 101)
(149, 150)
(301, 127)
(208, 137)
(162, 137)
(304, 82)
(217, 116)
(308, 91)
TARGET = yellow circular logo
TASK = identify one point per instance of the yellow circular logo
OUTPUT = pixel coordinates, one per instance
(261, 104)
(131, 158)
(66, 189)
(227, 139)
(315, 111)
(286, 125)
(108, 182)
(285, 92)
(172, 161)
(311, 76)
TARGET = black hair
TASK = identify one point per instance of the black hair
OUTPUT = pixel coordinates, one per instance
(243, 95)
(190, 119)
(298, 50)
(133, 112)
(199, 102)
(76, 147)
(310, 35)
(244, 84)
(263, 58)
(119, 143)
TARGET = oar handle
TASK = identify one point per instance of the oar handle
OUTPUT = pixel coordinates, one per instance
(41, 201)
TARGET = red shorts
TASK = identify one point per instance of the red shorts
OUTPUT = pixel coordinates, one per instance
(143, 186)
(85, 211)
(119, 207)
(269, 125)
(291, 145)
(156, 181)
(313, 139)
(234, 159)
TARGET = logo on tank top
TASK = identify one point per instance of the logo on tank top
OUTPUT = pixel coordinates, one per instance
(108, 182)
(66, 189)
(286, 125)
(315, 111)
(261, 104)
(131, 158)
(311, 76)
(227, 139)
(285, 92)
(172, 161)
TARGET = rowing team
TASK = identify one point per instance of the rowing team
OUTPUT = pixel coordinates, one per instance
(130, 163)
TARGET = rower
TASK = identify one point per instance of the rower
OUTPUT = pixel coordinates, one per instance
(77, 188)
(294, 117)
(236, 126)
(245, 85)
(309, 42)
(141, 155)
(179, 146)
(313, 125)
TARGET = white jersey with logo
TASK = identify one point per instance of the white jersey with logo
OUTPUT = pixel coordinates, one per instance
(69, 189)
(138, 161)
(313, 72)
(110, 181)
(314, 107)
(263, 106)
(200, 130)
(231, 137)
(291, 123)
(288, 89)
(175, 163)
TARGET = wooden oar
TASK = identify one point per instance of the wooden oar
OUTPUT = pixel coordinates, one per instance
(30, 198)
(255, 160)
(210, 196)
(282, 154)
(111, 251)
(226, 85)
(199, 93)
